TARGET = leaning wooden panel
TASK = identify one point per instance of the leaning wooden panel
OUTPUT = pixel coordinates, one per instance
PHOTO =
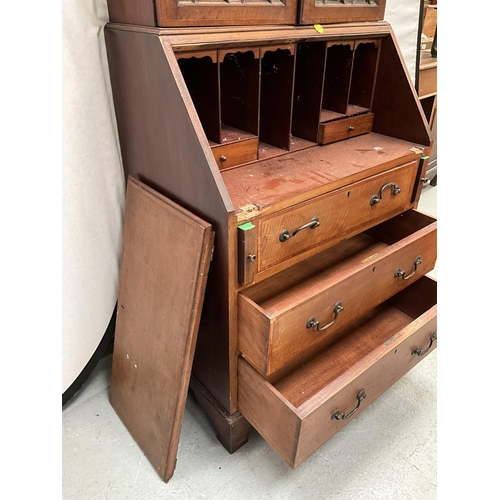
(165, 261)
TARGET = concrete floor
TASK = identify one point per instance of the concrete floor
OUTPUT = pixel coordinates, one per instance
(387, 452)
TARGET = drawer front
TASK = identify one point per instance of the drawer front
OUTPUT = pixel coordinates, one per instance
(237, 153)
(276, 332)
(297, 427)
(295, 230)
(343, 129)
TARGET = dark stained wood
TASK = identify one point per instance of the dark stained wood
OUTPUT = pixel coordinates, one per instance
(132, 11)
(346, 128)
(276, 92)
(231, 430)
(395, 102)
(363, 73)
(337, 77)
(309, 71)
(173, 156)
(164, 268)
(239, 90)
(201, 75)
(314, 11)
(272, 328)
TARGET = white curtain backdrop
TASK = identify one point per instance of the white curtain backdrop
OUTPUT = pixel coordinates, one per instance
(92, 186)
(93, 183)
(403, 15)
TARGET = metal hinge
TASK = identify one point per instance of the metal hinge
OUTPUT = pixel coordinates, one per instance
(212, 254)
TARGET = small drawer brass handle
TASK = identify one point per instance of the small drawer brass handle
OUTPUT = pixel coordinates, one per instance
(419, 351)
(222, 158)
(399, 272)
(312, 323)
(340, 415)
(350, 128)
(377, 198)
(285, 235)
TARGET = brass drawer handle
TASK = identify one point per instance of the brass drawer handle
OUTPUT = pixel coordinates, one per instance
(377, 198)
(312, 323)
(285, 235)
(223, 158)
(338, 415)
(419, 351)
(399, 272)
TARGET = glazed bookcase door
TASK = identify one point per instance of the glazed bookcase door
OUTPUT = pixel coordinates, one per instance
(336, 11)
(225, 12)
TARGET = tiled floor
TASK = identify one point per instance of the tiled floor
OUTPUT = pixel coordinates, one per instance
(387, 452)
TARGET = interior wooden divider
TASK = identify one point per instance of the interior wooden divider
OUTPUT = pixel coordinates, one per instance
(277, 72)
(239, 94)
(201, 74)
(308, 89)
(337, 80)
(363, 77)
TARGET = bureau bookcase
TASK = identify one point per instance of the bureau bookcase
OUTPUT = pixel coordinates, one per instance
(305, 150)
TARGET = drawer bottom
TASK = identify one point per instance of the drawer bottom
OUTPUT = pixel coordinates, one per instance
(303, 409)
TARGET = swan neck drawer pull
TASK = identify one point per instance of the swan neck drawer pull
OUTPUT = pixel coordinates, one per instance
(399, 272)
(340, 415)
(419, 351)
(377, 198)
(312, 323)
(285, 235)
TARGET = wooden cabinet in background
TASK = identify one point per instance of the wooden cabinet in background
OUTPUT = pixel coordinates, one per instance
(305, 151)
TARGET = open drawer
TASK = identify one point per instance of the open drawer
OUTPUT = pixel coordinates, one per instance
(294, 313)
(303, 409)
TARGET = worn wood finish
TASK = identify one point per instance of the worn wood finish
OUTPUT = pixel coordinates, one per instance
(316, 11)
(189, 13)
(283, 181)
(338, 212)
(272, 320)
(346, 128)
(164, 268)
(294, 414)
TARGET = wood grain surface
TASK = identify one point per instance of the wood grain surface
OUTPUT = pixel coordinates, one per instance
(164, 268)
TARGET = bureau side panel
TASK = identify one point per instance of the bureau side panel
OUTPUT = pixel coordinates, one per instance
(397, 110)
(163, 145)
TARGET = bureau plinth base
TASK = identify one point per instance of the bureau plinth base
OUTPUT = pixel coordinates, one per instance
(231, 430)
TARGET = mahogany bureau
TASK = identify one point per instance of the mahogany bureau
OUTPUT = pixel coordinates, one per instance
(305, 148)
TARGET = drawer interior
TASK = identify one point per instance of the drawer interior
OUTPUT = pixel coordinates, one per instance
(295, 410)
(357, 341)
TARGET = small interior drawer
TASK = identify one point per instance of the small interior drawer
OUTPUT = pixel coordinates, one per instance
(345, 128)
(293, 313)
(358, 205)
(229, 155)
(299, 412)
